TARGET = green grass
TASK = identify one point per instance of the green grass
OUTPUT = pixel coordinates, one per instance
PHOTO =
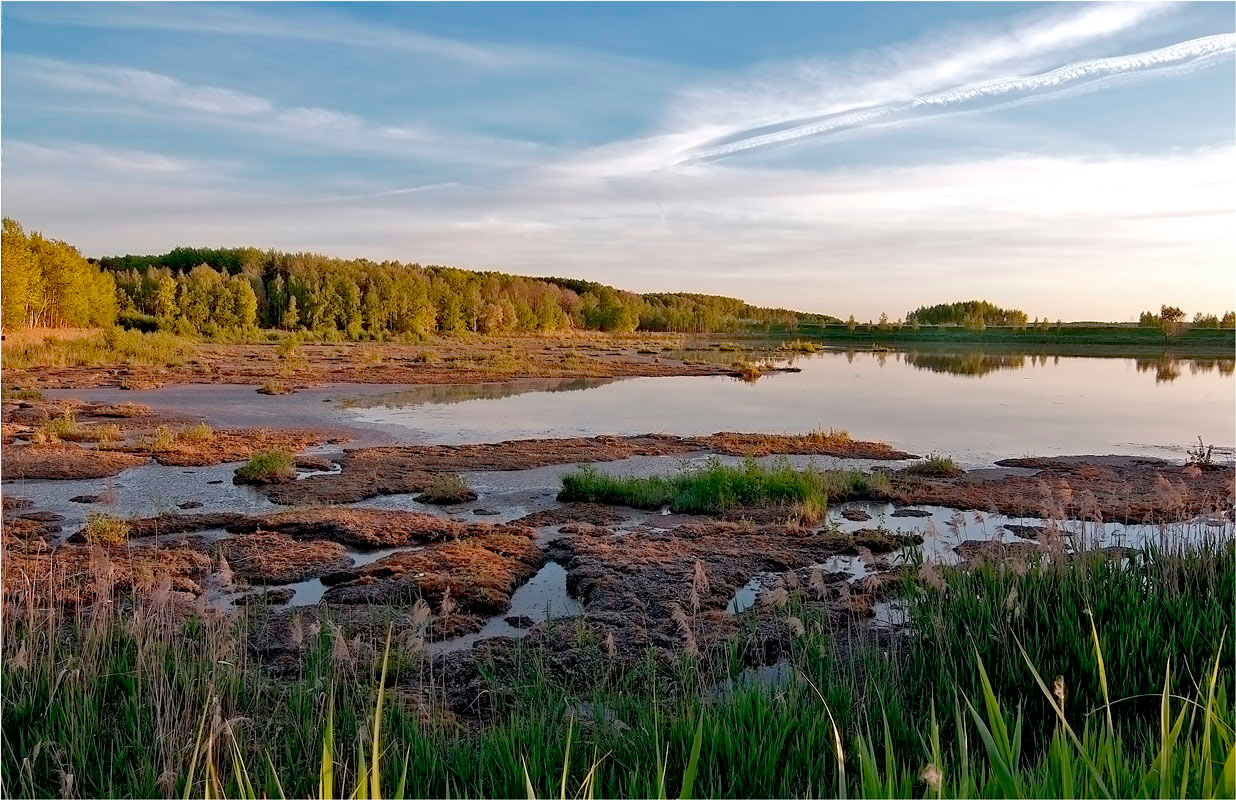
(960, 703)
(935, 465)
(268, 466)
(718, 488)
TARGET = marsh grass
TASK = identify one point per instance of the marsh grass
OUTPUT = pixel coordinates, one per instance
(201, 432)
(15, 393)
(61, 426)
(268, 466)
(966, 707)
(800, 346)
(447, 490)
(935, 465)
(105, 529)
(109, 347)
(747, 371)
(718, 488)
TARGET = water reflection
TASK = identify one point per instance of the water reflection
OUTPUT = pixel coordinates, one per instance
(458, 393)
(968, 362)
(976, 405)
(1167, 368)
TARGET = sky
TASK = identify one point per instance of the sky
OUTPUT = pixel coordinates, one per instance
(1077, 161)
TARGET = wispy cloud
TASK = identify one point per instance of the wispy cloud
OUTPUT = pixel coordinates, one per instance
(235, 19)
(142, 92)
(813, 96)
(1194, 53)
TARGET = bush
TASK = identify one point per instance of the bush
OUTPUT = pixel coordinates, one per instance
(269, 466)
(61, 426)
(447, 490)
(165, 438)
(105, 529)
(935, 465)
(200, 432)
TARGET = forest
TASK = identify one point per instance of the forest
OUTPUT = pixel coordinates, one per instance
(236, 291)
(213, 291)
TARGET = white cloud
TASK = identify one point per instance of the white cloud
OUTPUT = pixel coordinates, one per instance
(138, 86)
(144, 93)
(1199, 52)
(236, 19)
(779, 102)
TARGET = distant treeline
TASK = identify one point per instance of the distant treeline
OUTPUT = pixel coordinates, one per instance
(971, 313)
(47, 283)
(212, 291)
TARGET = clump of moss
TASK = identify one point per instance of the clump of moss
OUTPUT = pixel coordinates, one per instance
(447, 490)
(269, 466)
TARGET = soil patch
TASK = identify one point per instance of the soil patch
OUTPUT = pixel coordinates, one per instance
(274, 558)
(67, 462)
(1082, 487)
(81, 574)
(479, 575)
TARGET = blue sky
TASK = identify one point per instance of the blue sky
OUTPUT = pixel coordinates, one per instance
(1074, 160)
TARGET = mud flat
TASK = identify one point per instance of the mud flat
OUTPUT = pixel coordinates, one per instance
(455, 360)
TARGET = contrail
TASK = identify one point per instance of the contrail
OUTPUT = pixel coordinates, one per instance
(1195, 52)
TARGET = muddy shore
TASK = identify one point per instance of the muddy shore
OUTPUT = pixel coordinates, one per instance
(456, 360)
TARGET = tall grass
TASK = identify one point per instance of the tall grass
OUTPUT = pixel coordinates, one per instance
(108, 347)
(718, 488)
(111, 703)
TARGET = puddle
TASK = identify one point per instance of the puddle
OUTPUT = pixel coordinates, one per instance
(543, 597)
(745, 597)
(771, 676)
(145, 491)
(891, 613)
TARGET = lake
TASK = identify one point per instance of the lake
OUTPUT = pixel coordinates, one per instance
(977, 406)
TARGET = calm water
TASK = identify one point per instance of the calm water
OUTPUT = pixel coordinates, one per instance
(976, 406)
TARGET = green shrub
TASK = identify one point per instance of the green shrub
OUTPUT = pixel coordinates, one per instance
(269, 466)
(105, 529)
(935, 465)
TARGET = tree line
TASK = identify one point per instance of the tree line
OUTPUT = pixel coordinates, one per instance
(47, 283)
(969, 313)
(213, 291)
(1174, 317)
